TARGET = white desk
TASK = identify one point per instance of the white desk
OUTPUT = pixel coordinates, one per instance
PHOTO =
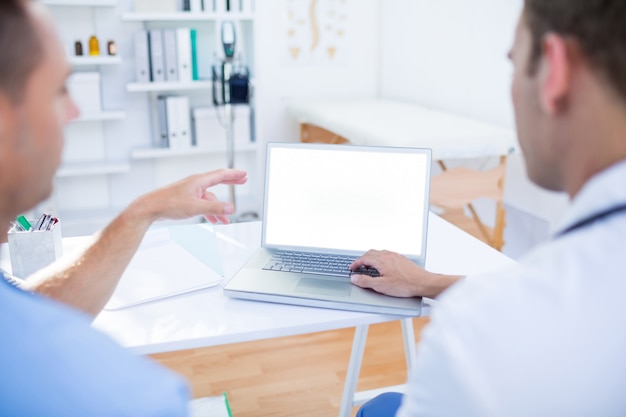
(208, 318)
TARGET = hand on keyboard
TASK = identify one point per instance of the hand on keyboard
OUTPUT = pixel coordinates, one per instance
(366, 270)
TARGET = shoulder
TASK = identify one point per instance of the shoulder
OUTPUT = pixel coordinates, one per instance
(491, 338)
(51, 351)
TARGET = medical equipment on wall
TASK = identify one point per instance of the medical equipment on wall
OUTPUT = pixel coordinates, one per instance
(231, 86)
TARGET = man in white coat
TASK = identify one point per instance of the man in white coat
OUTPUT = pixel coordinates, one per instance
(546, 337)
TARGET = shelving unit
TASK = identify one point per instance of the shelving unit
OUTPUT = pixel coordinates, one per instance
(85, 61)
(93, 168)
(100, 117)
(183, 17)
(108, 155)
(167, 86)
(80, 3)
(154, 153)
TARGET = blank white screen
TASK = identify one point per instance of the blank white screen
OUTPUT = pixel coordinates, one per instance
(346, 200)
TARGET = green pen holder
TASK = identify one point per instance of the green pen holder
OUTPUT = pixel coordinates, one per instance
(32, 251)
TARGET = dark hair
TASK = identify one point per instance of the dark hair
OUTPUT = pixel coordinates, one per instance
(20, 47)
(597, 26)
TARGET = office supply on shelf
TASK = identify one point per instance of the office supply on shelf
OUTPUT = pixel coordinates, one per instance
(184, 122)
(171, 114)
(193, 34)
(183, 39)
(197, 5)
(163, 137)
(170, 261)
(171, 60)
(156, 6)
(157, 62)
(142, 57)
(330, 201)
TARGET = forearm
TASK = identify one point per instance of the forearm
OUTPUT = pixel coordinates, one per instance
(435, 284)
(87, 280)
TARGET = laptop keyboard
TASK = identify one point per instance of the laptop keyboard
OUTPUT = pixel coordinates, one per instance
(316, 264)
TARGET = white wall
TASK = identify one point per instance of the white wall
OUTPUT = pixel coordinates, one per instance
(277, 81)
(451, 55)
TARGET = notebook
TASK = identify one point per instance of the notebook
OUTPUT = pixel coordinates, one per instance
(337, 200)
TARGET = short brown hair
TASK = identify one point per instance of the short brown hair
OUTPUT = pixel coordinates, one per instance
(20, 47)
(597, 26)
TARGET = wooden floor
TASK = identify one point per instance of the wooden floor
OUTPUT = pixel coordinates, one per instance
(294, 376)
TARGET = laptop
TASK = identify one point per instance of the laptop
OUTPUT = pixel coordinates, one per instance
(328, 205)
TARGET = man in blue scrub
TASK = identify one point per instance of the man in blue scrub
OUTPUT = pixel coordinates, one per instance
(52, 363)
(546, 337)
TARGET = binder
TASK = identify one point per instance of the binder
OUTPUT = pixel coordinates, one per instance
(142, 57)
(246, 6)
(220, 6)
(171, 113)
(171, 60)
(157, 63)
(162, 140)
(194, 54)
(183, 46)
(197, 6)
(178, 122)
(184, 122)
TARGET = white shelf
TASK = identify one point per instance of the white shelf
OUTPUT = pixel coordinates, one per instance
(171, 86)
(84, 3)
(97, 117)
(184, 16)
(153, 153)
(92, 168)
(78, 61)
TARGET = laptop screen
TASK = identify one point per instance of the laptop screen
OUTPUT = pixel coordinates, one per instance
(346, 199)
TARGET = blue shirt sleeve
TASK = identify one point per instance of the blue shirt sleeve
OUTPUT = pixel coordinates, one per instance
(53, 363)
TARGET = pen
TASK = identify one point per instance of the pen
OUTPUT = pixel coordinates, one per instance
(15, 227)
(24, 223)
(42, 218)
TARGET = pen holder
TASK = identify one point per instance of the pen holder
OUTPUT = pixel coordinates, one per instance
(32, 251)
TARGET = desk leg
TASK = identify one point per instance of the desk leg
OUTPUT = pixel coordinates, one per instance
(354, 368)
(408, 334)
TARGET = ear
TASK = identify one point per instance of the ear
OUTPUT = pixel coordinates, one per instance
(555, 73)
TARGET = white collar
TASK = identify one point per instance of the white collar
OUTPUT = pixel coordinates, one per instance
(603, 191)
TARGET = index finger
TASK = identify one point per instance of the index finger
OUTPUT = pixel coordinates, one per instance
(224, 176)
(367, 259)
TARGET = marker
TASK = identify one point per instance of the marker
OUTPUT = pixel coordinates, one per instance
(230, 413)
(24, 223)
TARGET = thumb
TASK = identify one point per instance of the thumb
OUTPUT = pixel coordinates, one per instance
(363, 281)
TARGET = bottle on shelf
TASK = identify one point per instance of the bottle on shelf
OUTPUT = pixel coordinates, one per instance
(111, 48)
(94, 46)
(78, 48)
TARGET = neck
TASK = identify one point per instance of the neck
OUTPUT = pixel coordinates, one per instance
(596, 141)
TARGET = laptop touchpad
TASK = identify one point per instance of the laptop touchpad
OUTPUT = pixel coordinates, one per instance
(324, 287)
